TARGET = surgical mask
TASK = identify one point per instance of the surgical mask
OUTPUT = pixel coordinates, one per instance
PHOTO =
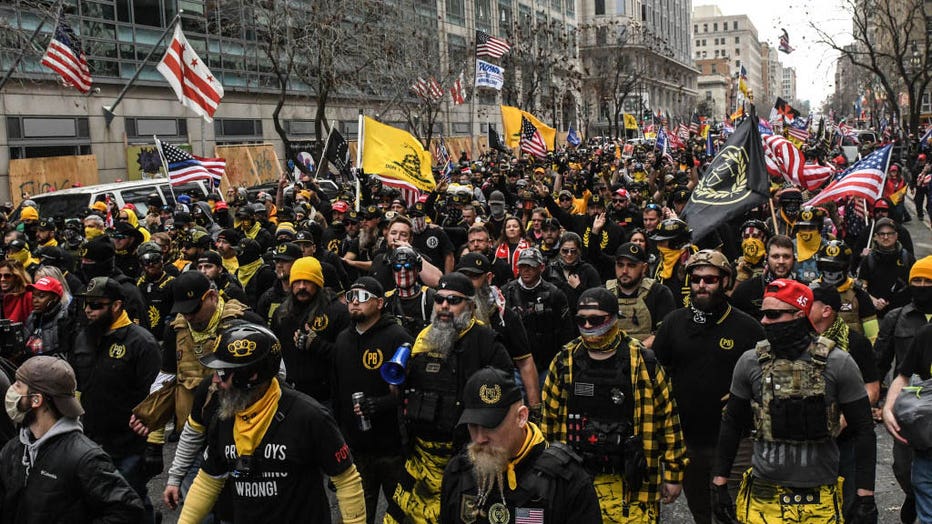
(922, 297)
(90, 233)
(834, 277)
(752, 249)
(789, 339)
(419, 224)
(12, 406)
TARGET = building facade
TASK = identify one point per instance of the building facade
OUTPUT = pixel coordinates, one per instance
(732, 37)
(788, 84)
(716, 87)
(45, 118)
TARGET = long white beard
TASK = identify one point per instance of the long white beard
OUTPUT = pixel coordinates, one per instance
(489, 463)
(443, 335)
(232, 401)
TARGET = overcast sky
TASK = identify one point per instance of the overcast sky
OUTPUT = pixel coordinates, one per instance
(814, 62)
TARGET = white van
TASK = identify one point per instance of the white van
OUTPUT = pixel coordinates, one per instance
(72, 202)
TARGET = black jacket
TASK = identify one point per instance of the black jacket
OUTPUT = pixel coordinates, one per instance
(72, 480)
(55, 329)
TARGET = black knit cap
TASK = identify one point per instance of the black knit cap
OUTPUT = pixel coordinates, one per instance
(599, 297)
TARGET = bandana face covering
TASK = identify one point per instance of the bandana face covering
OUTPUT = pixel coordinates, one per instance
(601, 338)
(833, 278)
(807, 244)
(753, 250)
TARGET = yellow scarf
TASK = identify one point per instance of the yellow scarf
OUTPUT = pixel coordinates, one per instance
(846, 286)
(253, 231)
(90, 233)
(250, 425)
(120, 322)
(211, 330)
(51, 243)
(807, 244)
(670, 258)
(22, 256)
(231, 264)
(531, 440)
(753, 250)
(606, 342)
(245, 272)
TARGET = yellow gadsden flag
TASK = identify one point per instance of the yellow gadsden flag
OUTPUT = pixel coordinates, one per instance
(631, 122)
(394, 153)
(511, 119)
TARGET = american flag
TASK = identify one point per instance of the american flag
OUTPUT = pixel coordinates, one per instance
(784, 159)
(799, 129)
(695, 124)
(864, 179)
(427, 89)
(189, 77)
(65, 56)
(183, 167)
(488, 45)
(433, 87)
(531, 140)
(443, 157)
(458, 92)
(529, 516)
(683, 132)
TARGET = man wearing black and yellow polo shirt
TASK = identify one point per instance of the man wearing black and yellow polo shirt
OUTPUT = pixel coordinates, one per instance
(358, 355)
(271, 442)
(509, 472)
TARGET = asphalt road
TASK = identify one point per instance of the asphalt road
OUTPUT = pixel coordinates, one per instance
(888, 494)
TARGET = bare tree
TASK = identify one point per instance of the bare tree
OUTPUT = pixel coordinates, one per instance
(610, 69)
(891, 45)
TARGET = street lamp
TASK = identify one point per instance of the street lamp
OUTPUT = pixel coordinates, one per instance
(915, 60)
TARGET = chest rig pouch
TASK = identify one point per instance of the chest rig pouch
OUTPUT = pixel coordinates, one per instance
(431, 406)
(600, 411)
(633, 315)
(793, 406)
(850, 310)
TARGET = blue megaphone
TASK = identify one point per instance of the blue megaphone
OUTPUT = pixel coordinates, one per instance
(395, 370)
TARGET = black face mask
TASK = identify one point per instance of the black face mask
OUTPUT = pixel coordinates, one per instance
(922, 297)
(789, 339)
(98, 269)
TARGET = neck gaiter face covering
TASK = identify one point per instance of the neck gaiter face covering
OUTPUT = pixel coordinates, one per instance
(789, 339)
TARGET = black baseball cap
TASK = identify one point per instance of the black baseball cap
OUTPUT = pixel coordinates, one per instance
(474, 264)
(287, 252)
(487, 397)
(631, 251)
(828, 295)
(102, 287)
(210, 257)
(600, 298)
(188, 291)
(457, 282)
(304, 236)
(369, 284)
(550, 223)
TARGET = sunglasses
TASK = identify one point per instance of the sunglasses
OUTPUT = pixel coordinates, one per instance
(619, 200)
(403, 265)
(96, 306)
(359, 295)
(569, 251)
(453, 300)
(705, 279)
(565, 199)
(591, 320)
(6, 275)
(774, 314)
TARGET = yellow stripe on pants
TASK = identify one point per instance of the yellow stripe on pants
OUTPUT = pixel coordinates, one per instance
(760, 502)
(611, 492)
(420, 502)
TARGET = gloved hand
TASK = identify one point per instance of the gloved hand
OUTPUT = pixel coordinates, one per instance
(152, 461)
(864, 510)
(535, 413)
(374, 405)
(304, 337)
(723, 508)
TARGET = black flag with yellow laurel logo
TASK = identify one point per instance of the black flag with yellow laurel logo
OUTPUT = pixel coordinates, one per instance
(733, 183)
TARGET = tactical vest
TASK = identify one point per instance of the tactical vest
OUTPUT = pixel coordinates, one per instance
(190, 371)
(413, 325)
(432, 408)
(600, 411)
(633, 314)
(793, 407)
(850, 310)
(155, 293)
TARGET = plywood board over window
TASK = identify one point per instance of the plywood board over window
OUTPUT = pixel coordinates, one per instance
(41, 175)
(249, 165)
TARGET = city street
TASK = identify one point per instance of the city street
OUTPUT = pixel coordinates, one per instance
(889, 496)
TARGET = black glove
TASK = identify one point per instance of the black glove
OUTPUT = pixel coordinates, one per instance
(723, 508)
(152, 461)
(864, 511)
(374, 405)
(535, 413)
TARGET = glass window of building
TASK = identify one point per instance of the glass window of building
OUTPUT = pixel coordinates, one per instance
(483, 15)
(599, 7)
(505, 17)
(456, 11)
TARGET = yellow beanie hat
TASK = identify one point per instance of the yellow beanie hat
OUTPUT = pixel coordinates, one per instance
(29, 213)
(922, 268)
(99, 206)
(307, 268)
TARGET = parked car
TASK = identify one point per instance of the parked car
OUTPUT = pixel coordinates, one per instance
(72, 202)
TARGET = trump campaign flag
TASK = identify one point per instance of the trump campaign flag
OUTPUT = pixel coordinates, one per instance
(489, 75)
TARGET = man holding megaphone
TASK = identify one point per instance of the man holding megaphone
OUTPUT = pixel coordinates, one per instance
(446, 353)
(365, 406)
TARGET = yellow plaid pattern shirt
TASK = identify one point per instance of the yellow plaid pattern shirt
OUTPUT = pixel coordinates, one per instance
(656, 419)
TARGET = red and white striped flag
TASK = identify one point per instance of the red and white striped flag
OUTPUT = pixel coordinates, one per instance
(189, 77)
(783, 159)
(864, 179)
(531, 140)
(458, 92)
(434, 89)
(65, 56)
(488, 45)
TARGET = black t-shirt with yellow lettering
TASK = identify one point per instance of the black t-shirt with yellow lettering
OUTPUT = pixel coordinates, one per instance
(282, 482)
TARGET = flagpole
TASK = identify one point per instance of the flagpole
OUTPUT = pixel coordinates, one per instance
(108, 110)
(158, 147)
(322, 164)
(360, 135)
(22, 52)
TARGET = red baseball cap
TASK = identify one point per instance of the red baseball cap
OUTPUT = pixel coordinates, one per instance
(622, 192)
(220, 206)
(340, 206)
(790, 292)
(47, 284)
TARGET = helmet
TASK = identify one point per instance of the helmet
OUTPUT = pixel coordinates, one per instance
(406, 254)
(756, 224)
(247, 350)
(835, 254)
(672, 229)
(811, 216)
(709, 257)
